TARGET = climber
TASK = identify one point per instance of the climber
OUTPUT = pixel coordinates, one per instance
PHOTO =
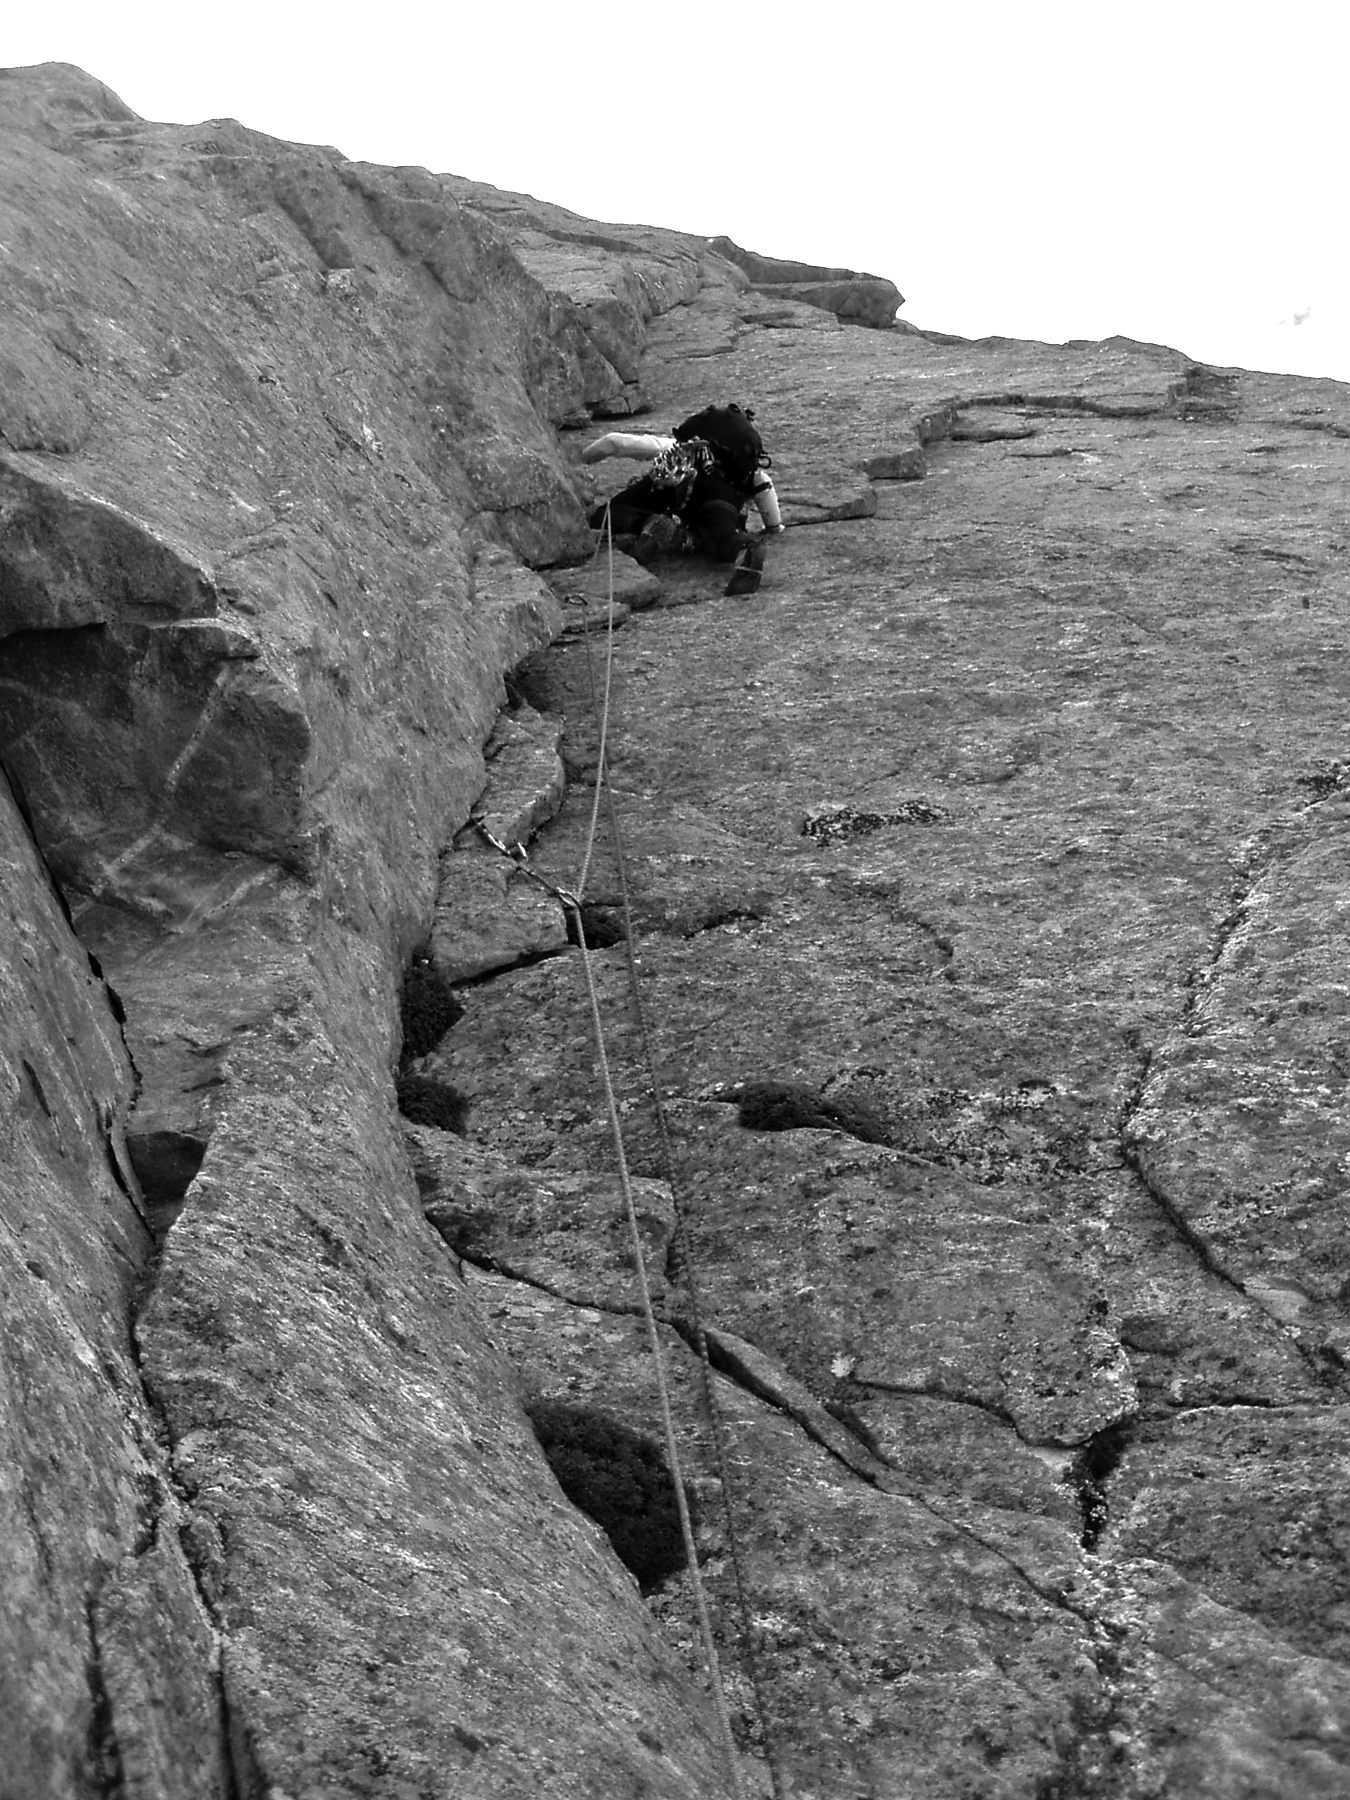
(701, 480)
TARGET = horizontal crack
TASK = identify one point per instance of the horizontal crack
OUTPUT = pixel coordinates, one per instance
(490, 1265)
(1075, 403)
(1240, 1403)
(883, 1479)
(994, 1411)
(727, 1357)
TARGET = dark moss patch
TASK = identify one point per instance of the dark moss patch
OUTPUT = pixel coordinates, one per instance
(620, 1479)
(846, 824)
(1325, 776)
(427, 1006)
(425, 1101)
(791, 1106)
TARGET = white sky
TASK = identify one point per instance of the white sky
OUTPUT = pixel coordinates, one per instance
(1176, 172)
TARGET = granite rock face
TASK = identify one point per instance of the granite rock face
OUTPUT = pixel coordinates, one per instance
(986, 878)
(279, 451)
(974, 996)
(856, 298)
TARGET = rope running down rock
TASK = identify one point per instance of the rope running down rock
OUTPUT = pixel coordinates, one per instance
(571, 900)
(630, 1209)
(711, 1407)
(688, 1268)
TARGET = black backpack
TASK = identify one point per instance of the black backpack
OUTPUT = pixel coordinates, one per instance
(731, 432)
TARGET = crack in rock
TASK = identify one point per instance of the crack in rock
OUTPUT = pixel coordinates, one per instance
(753, 1370)
(104, 1752)
(1091, 1472)
(949, 1395)
(1277, 1298)
(167, 1501)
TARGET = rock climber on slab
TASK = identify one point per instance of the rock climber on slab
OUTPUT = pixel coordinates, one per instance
(696, 493)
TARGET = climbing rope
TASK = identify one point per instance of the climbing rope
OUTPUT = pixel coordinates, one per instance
(630, 1209)
(662, 1387)
(572, 901)
(601, 711)
(689, 1274)
(601, 708)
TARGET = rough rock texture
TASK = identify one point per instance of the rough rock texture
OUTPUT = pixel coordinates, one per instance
(983, 889)
(987, 873)
(860, 299)
(278, 433)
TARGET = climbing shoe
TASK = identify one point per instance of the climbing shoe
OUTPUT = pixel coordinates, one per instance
(745, 576)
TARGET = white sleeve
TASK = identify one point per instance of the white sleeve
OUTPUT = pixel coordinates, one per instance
(627, 443)
(766, 500)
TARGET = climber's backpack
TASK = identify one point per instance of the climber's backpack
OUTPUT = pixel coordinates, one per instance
(739, 447)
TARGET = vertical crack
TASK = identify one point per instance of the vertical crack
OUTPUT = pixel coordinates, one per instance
(242, 1777)
(1091, 1471)
(239, 1775)
(1323, 1371)
(116, 1161)
(1131, 1158)
(104, 1753)
(1130, 1152)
